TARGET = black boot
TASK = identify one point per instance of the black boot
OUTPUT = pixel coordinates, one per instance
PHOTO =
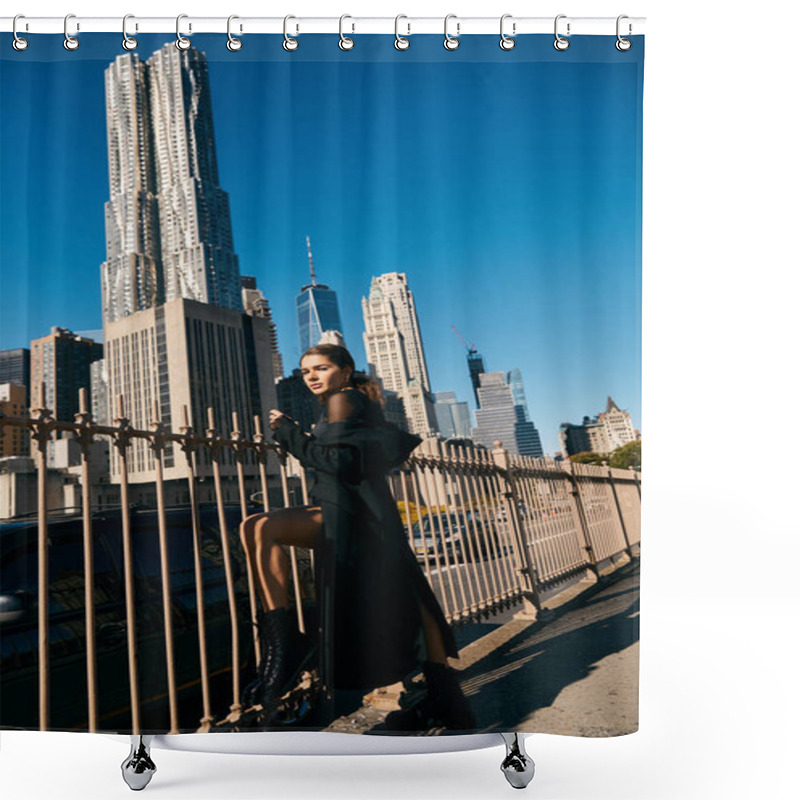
(253, 689)
(266, 689)
(408, 720)
(446, 705)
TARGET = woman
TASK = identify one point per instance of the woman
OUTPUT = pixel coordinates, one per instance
(379, 619)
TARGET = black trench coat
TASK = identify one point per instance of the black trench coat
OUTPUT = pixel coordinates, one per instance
(369, 585)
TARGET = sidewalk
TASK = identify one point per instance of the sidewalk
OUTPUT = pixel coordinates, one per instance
(575, 672)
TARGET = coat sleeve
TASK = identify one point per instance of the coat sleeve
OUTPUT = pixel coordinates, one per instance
(334, 456)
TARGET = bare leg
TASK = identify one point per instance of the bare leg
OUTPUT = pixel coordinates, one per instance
(263, 537)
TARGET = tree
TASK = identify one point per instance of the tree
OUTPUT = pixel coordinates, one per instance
(629, 455)
(588, 457)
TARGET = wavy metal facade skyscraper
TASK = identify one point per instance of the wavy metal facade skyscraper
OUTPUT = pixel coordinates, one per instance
(168, 221)
(132, 275)
(176, 331)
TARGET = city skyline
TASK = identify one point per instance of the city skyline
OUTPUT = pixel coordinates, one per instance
(580, 273)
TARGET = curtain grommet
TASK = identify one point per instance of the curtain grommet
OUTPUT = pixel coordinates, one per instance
(507, 42)
(289, 44)
(451, 42)
(233, 44)
(345, 42)
(181, 42)
(18, 43)
(401, 42)
(561, 44)
(128, 42)
(622, 44)
(70, 42)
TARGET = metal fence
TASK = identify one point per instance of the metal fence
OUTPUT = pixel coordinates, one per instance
(490, 530)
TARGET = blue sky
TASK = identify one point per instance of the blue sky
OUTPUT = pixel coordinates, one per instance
(507, 186)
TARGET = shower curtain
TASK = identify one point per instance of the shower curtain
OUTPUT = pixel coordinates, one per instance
(178, 226)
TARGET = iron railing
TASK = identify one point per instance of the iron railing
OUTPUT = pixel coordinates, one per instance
(490, 530)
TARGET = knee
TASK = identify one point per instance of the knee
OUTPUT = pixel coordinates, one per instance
(253, 529)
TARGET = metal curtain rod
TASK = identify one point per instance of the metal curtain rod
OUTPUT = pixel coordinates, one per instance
(597, 26)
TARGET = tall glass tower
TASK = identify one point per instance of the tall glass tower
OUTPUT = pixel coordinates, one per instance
(528, 441)
(317, 309)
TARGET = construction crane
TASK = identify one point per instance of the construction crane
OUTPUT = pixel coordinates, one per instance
(470, 348)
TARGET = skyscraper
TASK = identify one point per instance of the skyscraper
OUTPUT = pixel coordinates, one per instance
(475, 364)
(15, 367)
(317, 309)
(62, 362)
(393, 344)
(132, 274)
(14, 403)
(256, 305)
(528, 441)
(496, 419)
(168, 223)
(444, 416)
(476, 369)
(452, 416)
(173, 308)
(296, 400)
(99, 392)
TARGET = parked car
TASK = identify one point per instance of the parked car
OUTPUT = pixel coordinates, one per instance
(428, 533)
(465, 536)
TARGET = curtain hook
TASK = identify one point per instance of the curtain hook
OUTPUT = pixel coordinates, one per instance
(345, 42)
(128, 42)
(19, 43)
(401, 42)
(70, 42)
(561, 43)
(623, 44)
(289, 43)
(181, 42)
(451, 42)
(233, 43)
(507, 42)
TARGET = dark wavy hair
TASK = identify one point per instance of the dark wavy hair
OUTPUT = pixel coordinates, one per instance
(342, 358)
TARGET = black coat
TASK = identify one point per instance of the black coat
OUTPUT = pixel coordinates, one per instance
(369, 585)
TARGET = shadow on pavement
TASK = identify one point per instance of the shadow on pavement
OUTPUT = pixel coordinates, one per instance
(530, 670)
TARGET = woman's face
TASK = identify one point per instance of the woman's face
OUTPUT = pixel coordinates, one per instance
(322, 376)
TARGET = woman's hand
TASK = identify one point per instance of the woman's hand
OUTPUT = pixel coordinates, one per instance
(276, 419)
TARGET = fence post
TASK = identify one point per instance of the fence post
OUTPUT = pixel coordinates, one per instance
(215, 451)
(637, 481)
(526, 569)
(240, 447)
(85, 438)
(157, 445)
(582, 523)
(122, 441)
(189, 447)
(43, 424)
(628, 549)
